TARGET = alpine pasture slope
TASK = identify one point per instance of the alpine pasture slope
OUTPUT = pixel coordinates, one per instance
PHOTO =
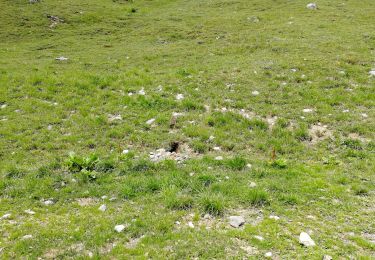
(175, 129)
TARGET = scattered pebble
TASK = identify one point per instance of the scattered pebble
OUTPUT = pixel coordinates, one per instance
(327, 257)
(372, 73)
(260, 238)
(178, 223)
(268, 254)
(236, 221)
(6, 216)
(346, 111)
(191, 174)
(149, 122)
(104, 197)
(190, 224)
(62, 58)
(27, 237)
(120, 228)
(211, 138)
(48, 202)
(252, 185)
(306, 240)
(249, 166)
(112, 199)
(312, 6)
(142, 92)
(179, 97)
(29, 211)
(274, 217)
(112, 118)
(3, 106)
(364, 115)
(125, 151)
(255, 93)
(307, 110)
(49, 127)
(219, 158)
(103, 208)
(217, 148)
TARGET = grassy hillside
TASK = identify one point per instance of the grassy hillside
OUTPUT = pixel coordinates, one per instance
(268, 104)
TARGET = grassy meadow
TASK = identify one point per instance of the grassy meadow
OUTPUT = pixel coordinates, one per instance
(266, 105)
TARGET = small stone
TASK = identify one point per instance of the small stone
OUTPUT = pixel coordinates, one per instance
(372, 73)
(211, 138)
(219, 158)
(120, 228)
(61, 58)
(327, 257)
(236, 221)
(190, 224)
(346, 111)
(27, 237)
(227, 177)
(252, 185)
(103, 208)
(149, 122)
(142, 92)
(179, 97)
(48, 202)
(260, 238)
(29, 211)
(307, 110)
(125, 151)
(255, 93)
(49, 127)
(104, 197)
(6, 216)
(178, 223)
(274, 217)
(364, 115)
(112, 199)
(306, 240)
(268, 254)
(3, 106)
(191, 174)
(90, 254)
(312, 6)
(217, 148)
(249, 166)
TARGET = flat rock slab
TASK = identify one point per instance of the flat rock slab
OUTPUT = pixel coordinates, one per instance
(236, 221)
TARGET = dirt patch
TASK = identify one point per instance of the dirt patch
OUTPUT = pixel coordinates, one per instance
(83, 202)
(319, 132)
(239, 245)
(177, 151)
(355, 136)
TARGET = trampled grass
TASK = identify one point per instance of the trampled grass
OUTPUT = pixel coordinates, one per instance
(276, 118)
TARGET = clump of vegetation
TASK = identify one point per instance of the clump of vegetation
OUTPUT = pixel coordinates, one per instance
(77, 163)
(212, 204)
(255, 197)
(279, 163)
(237, 163)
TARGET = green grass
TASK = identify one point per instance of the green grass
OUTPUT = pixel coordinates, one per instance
(65, 124)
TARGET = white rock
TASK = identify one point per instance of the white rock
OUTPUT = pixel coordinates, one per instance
(130, 94)
(249, 165)
(372, 72)
(219, 158)
(112, 199)
(179, 97)
(268, 254)
(103, 208)
(27, 237)
(49, 127)
(29, 211)
(327, 257)
(125, 151)
(178, 223)
(120, 228)
(149, 122)
(61, 58)
(191, 174)
(6, 216)
(274, 217)
(142, 92)
(346, 111)
(236, 221)
(48, 202)
(217, 148)
(260, 238)
(227, 177)
(104, 197)
(252, 185)
(312, 6)
(307, 110)
(3, 106)
(255, 93)
(306, 240)
(190, 224)
(293, 70)
(211, 138)
(364, 115)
